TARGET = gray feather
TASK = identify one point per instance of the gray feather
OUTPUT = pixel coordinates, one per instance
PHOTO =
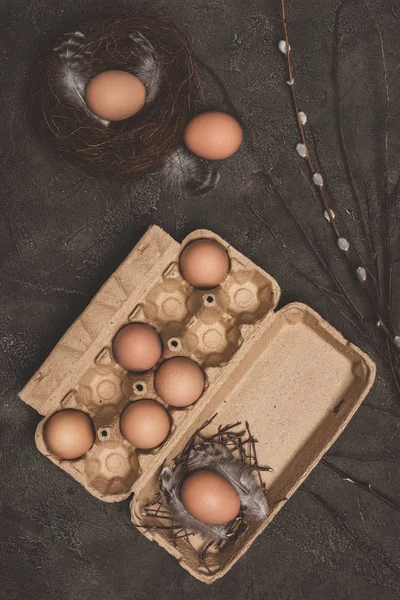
(73, 72)
(171, 482)
(218, 458)
(149, 69)
(183, 169)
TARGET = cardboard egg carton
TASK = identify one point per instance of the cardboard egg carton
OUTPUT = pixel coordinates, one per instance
(289, 373)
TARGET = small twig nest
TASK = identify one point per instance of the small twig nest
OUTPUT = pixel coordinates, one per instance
(147, 45)
(215, 457)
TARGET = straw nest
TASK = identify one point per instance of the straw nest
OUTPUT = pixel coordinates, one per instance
(146, 44)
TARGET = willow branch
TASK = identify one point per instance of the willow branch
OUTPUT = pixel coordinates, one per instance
(342, 242)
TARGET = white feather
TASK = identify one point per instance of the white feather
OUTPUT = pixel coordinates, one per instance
(73, 73)
(149, 69)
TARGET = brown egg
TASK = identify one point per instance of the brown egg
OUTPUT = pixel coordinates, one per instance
(179, 381)
(204, 263)
(115, 95)
(145, 424)
(69, 434)
(209, 497)
(213, 135)
(137, 347)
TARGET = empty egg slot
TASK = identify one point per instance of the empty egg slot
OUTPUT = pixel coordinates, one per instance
(111, 469)
(103, 385)
(213, 338)
(167, 302)
(247, 295)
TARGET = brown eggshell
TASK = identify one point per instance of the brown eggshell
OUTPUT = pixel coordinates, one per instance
(137, 347)
(210, 498)
(69, 434)
(145, 424)
(115, 95)
(179, 381)
(204, 263)
(213, 135)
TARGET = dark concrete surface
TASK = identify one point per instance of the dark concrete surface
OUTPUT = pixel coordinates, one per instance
(62, 235)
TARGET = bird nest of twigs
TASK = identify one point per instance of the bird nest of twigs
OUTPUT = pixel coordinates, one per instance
(145, 44)
(241, 444)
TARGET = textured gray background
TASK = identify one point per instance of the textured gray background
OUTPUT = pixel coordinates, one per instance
(62, 235)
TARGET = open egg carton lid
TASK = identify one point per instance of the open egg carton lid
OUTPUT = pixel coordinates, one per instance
(289, 374)
(296, 385)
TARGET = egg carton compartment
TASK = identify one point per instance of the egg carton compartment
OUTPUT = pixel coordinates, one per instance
(111, 466)
(81, 371)
(297, 386)
(214, 342)
(245, 294)
(167, 302)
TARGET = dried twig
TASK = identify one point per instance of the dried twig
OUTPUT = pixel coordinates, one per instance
(284, 255)
(384, 412)
(254, 455)
(370, 236)
(347, 530)
(385, 164)
(365, 486)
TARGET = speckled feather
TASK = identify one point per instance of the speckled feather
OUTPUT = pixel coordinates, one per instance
(183, 169)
